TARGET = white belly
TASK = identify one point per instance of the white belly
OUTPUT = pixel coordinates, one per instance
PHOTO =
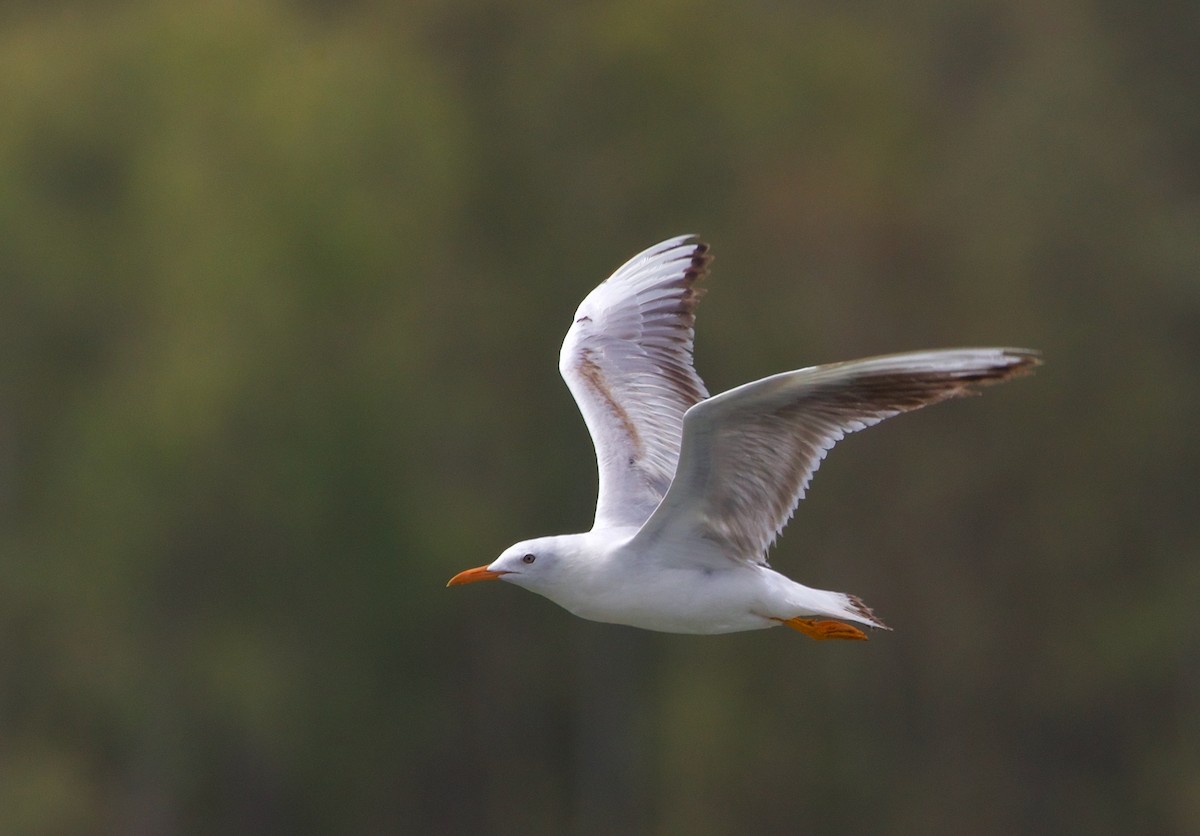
(742, 597)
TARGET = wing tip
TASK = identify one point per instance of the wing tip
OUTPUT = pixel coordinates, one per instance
(699, 246)
(1011, 363)
(699, 256)
(1025, 360)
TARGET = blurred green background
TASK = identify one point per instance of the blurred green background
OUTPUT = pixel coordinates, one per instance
(282, 286)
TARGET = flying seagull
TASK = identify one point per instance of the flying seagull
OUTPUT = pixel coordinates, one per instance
(695, 489)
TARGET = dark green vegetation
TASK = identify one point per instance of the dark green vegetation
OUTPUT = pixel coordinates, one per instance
(281, 291)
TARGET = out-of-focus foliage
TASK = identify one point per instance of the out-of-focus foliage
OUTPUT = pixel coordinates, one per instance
(281, 287)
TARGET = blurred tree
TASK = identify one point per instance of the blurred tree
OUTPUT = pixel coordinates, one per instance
(281, 287)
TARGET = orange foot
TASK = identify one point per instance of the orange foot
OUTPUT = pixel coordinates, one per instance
(824, 629)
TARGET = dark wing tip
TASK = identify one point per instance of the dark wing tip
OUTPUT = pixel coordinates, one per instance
(701, 258)
(1021, 362)
(1026, 359)
(696, 271)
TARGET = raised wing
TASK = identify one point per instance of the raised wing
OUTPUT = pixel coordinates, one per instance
(627, 359)
(748, 454)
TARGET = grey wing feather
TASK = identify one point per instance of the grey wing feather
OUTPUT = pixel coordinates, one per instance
(749, 454)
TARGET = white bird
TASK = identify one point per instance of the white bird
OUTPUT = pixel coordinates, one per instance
(695, 489)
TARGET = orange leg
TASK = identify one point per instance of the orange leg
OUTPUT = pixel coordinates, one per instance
(823, 629)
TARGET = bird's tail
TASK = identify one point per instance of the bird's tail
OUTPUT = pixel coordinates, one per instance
(855, 609)
(828, 604)
(833, 609)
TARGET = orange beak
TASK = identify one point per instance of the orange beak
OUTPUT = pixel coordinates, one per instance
(480, 573)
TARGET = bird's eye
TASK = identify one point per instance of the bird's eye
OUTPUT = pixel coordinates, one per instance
(529, 558)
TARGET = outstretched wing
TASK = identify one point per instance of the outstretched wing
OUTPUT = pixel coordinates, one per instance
(748, 454)
(627, 359)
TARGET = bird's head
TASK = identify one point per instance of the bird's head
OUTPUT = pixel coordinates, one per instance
(533, 564)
